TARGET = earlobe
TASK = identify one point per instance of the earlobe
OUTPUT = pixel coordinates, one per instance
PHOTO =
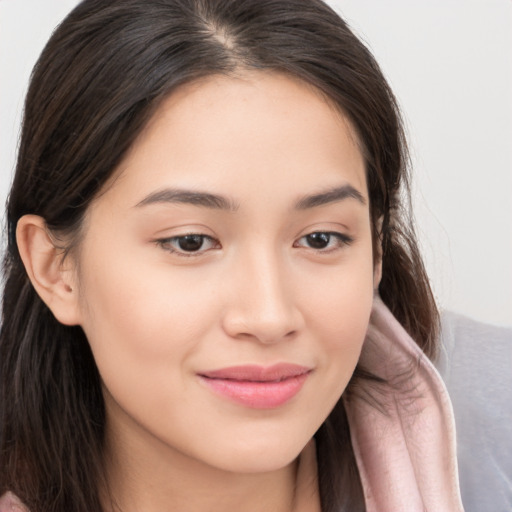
(44, 264)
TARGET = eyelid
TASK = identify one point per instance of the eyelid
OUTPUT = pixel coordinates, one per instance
(342, 238)
(165, 244)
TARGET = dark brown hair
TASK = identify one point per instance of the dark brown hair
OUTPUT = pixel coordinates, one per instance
(100, 78)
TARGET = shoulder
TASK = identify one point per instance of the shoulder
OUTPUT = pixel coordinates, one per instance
(10, 503)
(465, 341)
(476, 364)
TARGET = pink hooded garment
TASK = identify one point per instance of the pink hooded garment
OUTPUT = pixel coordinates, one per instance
(403, 433)
(404, 446)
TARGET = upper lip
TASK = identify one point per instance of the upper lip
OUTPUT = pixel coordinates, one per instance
(257, 373)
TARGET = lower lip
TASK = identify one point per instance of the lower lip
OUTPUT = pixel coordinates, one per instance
(257, 395)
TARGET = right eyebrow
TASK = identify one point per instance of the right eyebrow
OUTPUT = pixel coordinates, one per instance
(193, 197)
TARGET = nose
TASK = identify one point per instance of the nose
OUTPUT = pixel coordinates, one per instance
(262, 304)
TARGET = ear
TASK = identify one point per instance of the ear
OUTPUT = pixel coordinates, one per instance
(377, 264)
(51, 276)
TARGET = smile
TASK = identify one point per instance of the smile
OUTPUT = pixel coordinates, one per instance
(258, 387)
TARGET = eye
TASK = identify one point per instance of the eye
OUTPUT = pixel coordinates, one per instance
(188, 245)
(324, 241)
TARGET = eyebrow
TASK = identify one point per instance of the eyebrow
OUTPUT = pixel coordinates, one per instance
(332, 195)
(196, 198)
(218, 202)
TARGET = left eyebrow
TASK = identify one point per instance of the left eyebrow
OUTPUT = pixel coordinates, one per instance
(331, 195)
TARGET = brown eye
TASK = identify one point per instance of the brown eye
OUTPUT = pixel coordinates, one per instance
(324, 241)
(318, 240)
(190, 243)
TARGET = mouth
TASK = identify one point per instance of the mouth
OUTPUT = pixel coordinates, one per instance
(257, 387)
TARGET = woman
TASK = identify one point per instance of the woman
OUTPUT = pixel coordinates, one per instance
(206, 208)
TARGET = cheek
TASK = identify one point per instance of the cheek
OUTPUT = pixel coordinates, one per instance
(339, 312)
(340, 299)
(139, 323)
(145, 329)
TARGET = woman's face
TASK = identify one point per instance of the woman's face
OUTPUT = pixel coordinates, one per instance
(226, 274)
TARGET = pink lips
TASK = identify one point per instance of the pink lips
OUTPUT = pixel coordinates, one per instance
(256, 386)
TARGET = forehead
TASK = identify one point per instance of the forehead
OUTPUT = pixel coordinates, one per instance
(251, 128)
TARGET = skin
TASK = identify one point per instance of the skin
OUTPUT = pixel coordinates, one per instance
(256, 291)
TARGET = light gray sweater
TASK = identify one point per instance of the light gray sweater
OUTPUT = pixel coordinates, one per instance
(476, 364)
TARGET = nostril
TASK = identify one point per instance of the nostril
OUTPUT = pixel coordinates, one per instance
(268, 331)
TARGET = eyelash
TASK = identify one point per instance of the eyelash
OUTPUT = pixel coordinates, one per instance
(166, 244)
(341, 239)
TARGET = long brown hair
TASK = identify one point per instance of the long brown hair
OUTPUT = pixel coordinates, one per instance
(101, 76)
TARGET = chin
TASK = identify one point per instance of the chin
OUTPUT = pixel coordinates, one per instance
(263, 462)
(265, 455)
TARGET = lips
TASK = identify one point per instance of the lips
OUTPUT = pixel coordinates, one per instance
(257, 387)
